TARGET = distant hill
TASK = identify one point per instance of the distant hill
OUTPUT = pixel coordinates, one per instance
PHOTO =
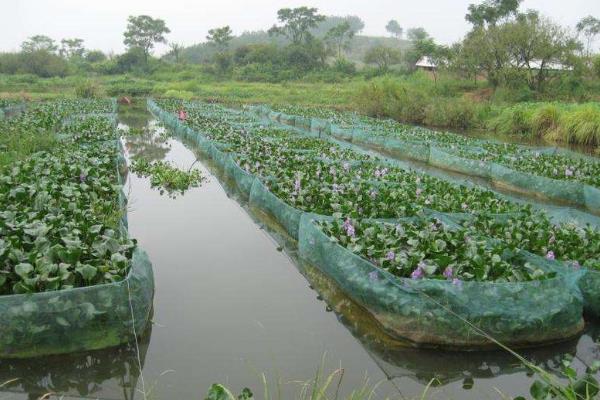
(202, 52)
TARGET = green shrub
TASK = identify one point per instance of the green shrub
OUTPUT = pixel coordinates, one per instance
(179, 94)
(344, 66)
(545, 120)
(88, 90)
(581, 125)
(512, 120)
(451, 113)
(129, 87)
(596, 66)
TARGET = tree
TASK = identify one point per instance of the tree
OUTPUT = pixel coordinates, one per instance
(71, 48)
(133, 58)
(394, 28)
(491, 12)
(39, 42)
(534, 44)
(339, 37)
(43, 63)
(422, 45)
(383, 57)
(417, 34)
(175, 51)
(596, 66)
(331, 21)
(297, 23)
(144, 32)
(94, 56)
(523, 50)
(590, 28)
(220, 38)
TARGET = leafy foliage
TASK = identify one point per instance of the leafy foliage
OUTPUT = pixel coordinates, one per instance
(144, 31)
(428, 249)
(60, 211)
(166, 177)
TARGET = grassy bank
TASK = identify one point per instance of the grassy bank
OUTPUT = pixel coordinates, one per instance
(415, 99)
(440, 107)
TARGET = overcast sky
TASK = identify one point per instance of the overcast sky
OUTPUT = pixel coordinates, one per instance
(101, 22)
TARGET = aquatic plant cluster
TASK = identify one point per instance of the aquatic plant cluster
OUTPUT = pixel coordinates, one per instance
(61, 210)
(357, 189)
(542, 162)
(166, 177)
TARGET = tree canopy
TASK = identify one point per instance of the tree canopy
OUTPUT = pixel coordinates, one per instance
(590, 28)
(39, 43)
(394, 28)
(220, 37)
(492, 11)
(144, 32)
(70, 48)
(339, 37)
(297, 23)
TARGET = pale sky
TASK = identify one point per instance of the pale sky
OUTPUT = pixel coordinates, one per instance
(101, 22)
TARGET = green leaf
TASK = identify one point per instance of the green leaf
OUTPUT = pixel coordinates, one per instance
(23, 269)
(87, 271)
(539, 390)
(217, 392)
(246, 394)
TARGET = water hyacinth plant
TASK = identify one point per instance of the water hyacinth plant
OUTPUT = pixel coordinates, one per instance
(427, 249)
(60, 217)
(167, 178)
(319, 176)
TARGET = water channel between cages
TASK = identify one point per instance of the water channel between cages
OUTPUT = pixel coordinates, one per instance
(230, 306)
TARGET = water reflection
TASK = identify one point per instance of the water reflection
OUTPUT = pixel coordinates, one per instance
(140, 131)
(398, 360)
(112, 372)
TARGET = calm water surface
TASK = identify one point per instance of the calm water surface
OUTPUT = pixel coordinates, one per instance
(230, 306)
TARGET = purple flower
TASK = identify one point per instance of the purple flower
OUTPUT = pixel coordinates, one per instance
(373, 276)
(568, 172)
(418, 273)
(350, 231)
(448, 273)
(82, 177)
(457, 282)
(377, 173)
(464, 206)
(576, 266)
(550, 255)
(346, 166)
(349, 228)
(390, 256)
(297, 185)
(332, 170)
(373, 194)
(419, 191)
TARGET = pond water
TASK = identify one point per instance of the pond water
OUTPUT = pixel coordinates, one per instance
(231, 306)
